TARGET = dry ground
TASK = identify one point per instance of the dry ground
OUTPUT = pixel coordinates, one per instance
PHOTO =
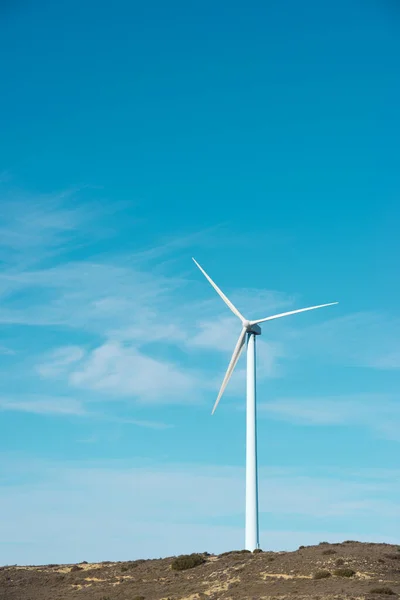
(233, 576)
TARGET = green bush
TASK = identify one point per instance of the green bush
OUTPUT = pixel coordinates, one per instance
(350, 542)
(187, 561)
(322, 575)
(346, 572)
(234, 553)
(329, 552)
(383, 590)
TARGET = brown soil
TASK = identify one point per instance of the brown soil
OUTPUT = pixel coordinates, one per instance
(232, 576)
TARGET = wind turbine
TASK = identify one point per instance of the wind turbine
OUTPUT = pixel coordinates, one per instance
(250, 329)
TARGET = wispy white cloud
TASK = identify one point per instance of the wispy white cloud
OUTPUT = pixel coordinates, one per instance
(132, 311)
(216, 334)
(43, 405)
(175, 244)
(38, 227)
(162, 499)
(6, 351)
(269, 354)
(116, 370)
(259, 303)
(377, 412)
(122, 366)
(388, 361)
(60, 360)
(364, 339)
(65, 406)
(158, 425)
(82, 295)
(150, 329)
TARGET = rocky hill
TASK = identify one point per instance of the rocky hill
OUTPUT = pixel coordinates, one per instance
(350, 570)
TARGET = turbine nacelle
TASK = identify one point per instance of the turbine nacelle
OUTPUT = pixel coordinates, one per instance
(251, 327)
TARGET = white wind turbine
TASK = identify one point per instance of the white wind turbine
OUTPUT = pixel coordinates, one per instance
(249, 329)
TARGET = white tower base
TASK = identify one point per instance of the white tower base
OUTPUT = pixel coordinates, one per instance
(252, 531)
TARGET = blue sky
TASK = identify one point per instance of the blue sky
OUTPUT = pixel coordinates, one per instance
(263, 140)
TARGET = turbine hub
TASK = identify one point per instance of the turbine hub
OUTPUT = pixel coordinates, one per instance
(251, 328)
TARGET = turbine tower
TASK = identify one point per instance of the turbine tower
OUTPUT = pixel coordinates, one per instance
(250, 329)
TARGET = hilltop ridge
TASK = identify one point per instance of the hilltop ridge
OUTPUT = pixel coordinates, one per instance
(349, 570)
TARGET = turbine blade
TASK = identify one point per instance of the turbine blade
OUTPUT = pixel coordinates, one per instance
(220, 293)
(235, 357)
(291, 312)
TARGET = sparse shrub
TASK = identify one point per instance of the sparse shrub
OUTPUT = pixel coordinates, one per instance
(76, 568)
(233, 584)
(346, 572)
(257, 551)
(187, 561)
(206, 554)
(350, 542)
(339, 562)
(301, 547)
(380, 560)
(132, 564)
(383, 590)
(84, 562)
(138, 598)
(234, 552)
(271, 558)
(393, 556)
(329, 552)
(322, 575)
(322, 543)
